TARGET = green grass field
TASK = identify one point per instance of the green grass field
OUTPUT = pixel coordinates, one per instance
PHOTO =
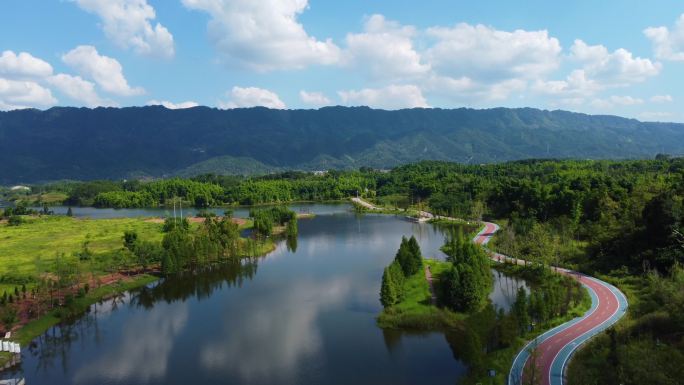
(23, 248)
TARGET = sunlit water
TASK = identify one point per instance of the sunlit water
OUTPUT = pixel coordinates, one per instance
(292, 317)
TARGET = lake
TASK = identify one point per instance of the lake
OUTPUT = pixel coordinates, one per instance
(303, 316)
(105, 213)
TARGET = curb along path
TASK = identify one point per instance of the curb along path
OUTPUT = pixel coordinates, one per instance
(556, 346)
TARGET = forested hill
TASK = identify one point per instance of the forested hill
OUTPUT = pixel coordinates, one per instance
(81, 143)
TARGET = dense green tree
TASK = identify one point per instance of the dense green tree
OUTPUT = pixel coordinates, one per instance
(130, 239)
(467, 283)
(388, 291)
(520, 311)
(409, 256)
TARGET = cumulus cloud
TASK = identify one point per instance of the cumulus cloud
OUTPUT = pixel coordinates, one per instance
(618, 68)
(391, 97)
(78, 89)
(264, 35)
(668, 44)
(128, 23)
(661, 99)
(105, 71)
(599, 70)
(27, 81)
(252, 97)
(576, 83)
(317, 99)
(464, 63)
(23, 65)
(16, 94)
(385, 50)
(616, 101)
(487, 54)
(171, 105)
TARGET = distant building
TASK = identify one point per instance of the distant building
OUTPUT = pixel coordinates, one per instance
(20, 188)
(320, 173)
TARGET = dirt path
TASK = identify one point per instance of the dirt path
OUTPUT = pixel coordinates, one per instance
(428, 277)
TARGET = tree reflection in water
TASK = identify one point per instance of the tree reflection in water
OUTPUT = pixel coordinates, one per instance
(55, 345)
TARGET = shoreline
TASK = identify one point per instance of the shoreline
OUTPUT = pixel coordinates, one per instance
(32, 329)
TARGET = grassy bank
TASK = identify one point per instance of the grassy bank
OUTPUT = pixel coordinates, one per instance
(37, 327)
(40, 325)
(35, 251)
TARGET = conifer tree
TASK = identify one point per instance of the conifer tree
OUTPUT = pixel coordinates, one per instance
(388, 292)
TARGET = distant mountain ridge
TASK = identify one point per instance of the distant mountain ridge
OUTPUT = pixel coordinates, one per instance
(82, 143)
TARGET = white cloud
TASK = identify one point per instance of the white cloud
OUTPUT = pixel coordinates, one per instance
(618, 68)
(252, 97)
(128, 23)
(15, 94)
(171, 105)
(27, 81)
(78, 89)
(488, 55)
(317, 99)
(656, 116)
(616, 101)
(668, 44)
(391, 97)
(105, 71)
(661, 99)
(599, 71)
(626, 100)
(385, 50)
(576, 86)
(23, 65)
(264, 35)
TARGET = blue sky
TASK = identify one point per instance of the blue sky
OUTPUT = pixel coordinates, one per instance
(609, 57)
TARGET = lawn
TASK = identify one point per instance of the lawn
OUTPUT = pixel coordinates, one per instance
(37, 241)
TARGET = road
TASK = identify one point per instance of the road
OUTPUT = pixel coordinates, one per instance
(556, 346)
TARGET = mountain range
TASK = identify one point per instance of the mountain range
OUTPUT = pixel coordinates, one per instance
(140, 142)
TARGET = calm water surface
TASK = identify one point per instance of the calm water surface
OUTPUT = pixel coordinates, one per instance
(293, 317)
(104, 213)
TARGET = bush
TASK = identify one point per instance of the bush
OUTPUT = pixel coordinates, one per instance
(9, 316)
(15, 220)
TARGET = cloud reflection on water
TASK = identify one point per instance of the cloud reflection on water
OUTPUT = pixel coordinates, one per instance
(276, 333)
(143, 352)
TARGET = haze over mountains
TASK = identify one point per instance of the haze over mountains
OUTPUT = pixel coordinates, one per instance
(81, 143)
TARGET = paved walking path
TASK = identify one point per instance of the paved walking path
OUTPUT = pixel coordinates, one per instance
(556, 346)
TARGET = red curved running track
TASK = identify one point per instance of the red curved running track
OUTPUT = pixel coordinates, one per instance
(550, 348)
